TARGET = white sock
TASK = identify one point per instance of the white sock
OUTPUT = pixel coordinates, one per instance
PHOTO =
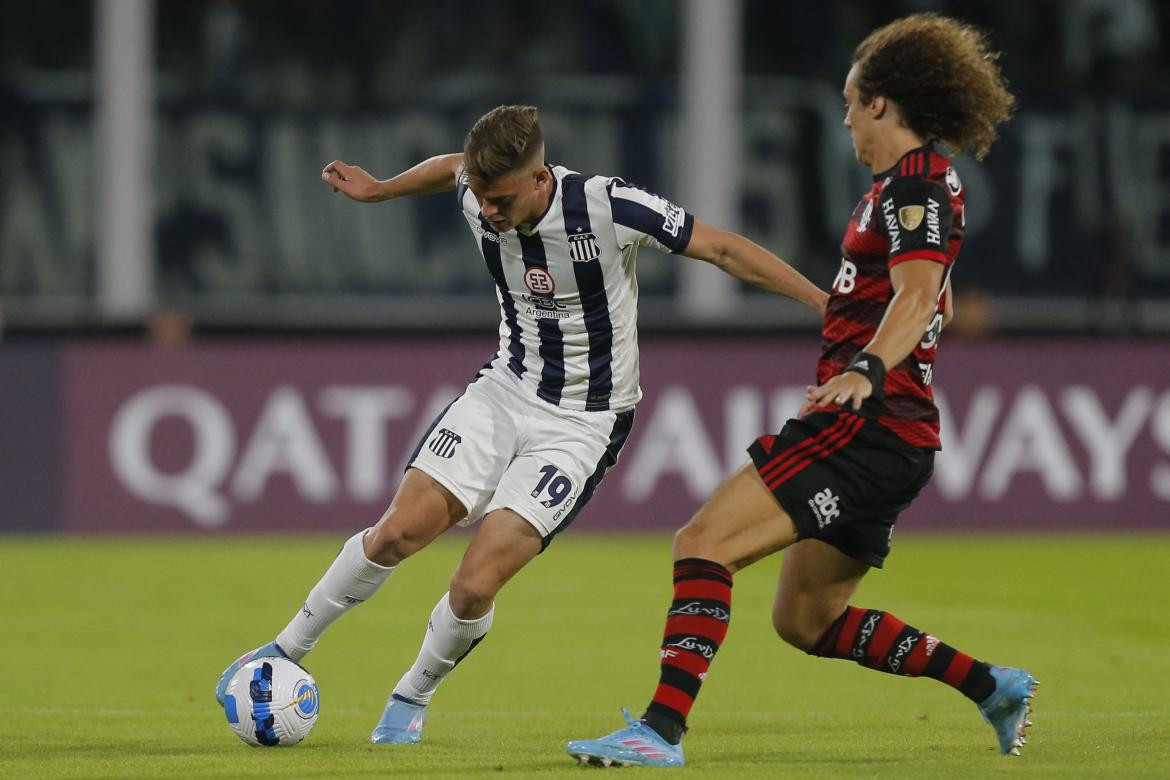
(447, 641)
(350, 579)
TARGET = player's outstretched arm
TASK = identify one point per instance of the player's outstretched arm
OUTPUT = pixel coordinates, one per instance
(438, 174)
(908, 315)
(744, 259)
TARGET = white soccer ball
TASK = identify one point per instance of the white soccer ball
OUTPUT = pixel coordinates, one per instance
(271, 702)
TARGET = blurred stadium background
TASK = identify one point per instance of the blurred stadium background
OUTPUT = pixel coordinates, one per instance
(200, 341)
(198, 336)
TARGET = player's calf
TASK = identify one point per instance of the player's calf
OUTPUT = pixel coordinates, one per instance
(447, 641)
(882, 642)
(350, 580)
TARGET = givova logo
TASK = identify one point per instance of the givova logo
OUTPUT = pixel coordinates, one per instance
(673, 219)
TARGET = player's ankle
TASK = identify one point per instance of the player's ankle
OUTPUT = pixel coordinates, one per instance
(668, 728)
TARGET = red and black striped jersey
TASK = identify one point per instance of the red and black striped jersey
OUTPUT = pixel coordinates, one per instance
(913, 212)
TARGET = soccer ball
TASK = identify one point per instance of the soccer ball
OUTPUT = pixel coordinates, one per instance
(271, 701)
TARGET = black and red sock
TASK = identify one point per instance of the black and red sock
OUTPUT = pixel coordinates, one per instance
(695, 627)
(880, 641)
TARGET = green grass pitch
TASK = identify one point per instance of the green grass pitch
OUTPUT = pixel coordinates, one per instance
(111, 649)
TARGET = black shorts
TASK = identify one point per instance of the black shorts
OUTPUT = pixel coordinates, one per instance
(843, 479)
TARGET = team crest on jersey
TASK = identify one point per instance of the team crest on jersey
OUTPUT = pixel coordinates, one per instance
(583, 247)
(954, 186)
(910, 217)
(539, 280)
(866, 216)
(443, 443)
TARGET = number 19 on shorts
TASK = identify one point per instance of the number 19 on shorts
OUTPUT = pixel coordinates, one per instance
(556, 486)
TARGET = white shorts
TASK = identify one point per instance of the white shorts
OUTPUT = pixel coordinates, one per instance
(495, 447)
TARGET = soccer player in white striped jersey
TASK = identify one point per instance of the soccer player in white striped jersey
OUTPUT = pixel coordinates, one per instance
(533, 435)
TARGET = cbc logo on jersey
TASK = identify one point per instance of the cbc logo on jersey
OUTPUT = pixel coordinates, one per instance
(539, 281)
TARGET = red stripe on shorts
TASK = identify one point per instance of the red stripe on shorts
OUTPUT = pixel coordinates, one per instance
(817, 452)
(784, 458)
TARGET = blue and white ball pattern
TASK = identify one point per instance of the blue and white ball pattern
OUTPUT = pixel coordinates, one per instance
(272, 702)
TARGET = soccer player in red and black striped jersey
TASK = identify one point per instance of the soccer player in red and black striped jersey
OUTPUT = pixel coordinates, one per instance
(829, 487)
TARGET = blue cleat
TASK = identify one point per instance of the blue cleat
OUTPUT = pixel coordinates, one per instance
(401, 724)
(635, 745)
(270, 650)
(1008, 707)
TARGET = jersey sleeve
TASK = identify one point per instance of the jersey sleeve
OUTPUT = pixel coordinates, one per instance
(461, 185)
(641, 217)
(916, 216)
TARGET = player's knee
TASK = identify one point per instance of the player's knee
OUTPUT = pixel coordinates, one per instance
(794, 631)
(388, 545)
(471, 596)
(692, 541)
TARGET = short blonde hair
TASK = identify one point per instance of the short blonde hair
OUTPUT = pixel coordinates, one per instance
(503, 140)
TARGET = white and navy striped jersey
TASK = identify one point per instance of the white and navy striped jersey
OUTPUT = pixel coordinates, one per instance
(567, 291)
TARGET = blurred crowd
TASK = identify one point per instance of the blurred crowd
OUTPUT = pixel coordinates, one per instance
(371, 51)
(338, 55)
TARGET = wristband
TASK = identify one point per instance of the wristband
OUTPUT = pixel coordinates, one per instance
(872, 368)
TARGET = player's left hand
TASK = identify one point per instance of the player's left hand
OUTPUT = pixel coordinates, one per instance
(353, 180)
(848, 389)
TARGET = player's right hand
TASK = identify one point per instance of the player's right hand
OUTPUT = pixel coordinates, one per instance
(353, 180)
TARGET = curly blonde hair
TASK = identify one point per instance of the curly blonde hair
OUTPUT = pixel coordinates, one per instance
(942, 74)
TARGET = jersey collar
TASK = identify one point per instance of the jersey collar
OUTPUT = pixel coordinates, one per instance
(527, 229)
(929, 146)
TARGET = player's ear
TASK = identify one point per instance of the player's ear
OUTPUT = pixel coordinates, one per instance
(878, 106)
